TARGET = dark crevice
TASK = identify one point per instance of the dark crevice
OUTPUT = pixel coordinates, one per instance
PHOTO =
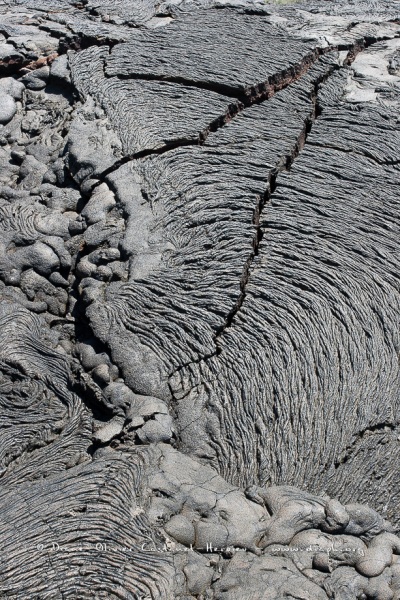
(142, 154)
(384, 427)
(255, 95)
(274, 83)
(249, 95)
(85, 385)
(219, 122)
(81, 382)
(360, 45)
(79, 42)
(284, 164)
(252, 95)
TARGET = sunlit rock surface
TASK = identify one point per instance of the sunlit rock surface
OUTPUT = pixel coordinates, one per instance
(199, 300)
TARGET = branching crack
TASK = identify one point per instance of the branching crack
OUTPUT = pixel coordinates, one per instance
(254, 95)
(283, 164)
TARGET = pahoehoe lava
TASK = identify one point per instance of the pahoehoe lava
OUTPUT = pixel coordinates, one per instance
(199, 300)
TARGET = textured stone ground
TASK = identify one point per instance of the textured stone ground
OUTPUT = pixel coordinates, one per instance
(199, 300)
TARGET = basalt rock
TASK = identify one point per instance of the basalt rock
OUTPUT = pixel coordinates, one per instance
(199, 299)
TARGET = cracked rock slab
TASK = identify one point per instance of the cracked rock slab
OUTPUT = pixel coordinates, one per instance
(199, 300)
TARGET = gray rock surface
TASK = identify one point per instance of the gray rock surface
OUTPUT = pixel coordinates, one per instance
(199, 300)
(8, 108)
